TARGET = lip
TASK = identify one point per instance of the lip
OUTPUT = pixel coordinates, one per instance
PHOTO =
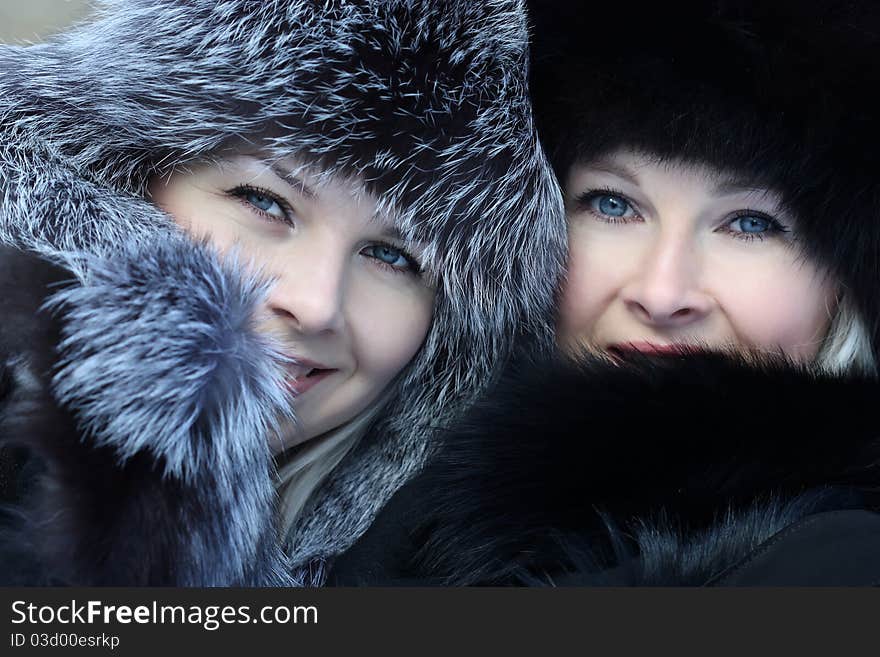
(648, 348)
(298, 381)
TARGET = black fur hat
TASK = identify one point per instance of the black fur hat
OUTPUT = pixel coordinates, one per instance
(781, 93)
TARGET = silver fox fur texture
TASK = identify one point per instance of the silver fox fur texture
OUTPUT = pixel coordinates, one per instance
(423, 102)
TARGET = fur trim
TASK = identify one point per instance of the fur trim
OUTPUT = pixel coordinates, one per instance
(686, 462)
(158, 347)
(424, 102)
(166, 395)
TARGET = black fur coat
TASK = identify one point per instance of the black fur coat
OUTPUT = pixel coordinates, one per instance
(691, 470)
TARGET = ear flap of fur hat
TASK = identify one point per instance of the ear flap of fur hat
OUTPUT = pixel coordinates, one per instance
(779, 93)
(422, 102)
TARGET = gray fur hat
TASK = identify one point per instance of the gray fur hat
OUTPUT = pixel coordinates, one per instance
(424, 102)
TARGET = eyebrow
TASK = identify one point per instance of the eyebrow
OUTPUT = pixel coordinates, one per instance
(604, 166)
(726, 183)
(388, 232)
(732, 184)
(392, 232)
(294, 181)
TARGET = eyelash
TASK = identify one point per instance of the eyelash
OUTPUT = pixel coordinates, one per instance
(584, 202)
(241, 193)
(412, 265)
(775, 228)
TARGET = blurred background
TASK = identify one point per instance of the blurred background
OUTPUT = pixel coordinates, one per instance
(34, 20)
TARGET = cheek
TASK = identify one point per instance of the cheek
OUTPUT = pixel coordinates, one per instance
(180, 199)
(199, 211)
(783, 306)
(388, 324)
(593, 277)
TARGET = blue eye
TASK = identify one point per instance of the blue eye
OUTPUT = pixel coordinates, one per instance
(265, 203)
(607, 206)
(389, 256)
(752, 224)
(613, 206)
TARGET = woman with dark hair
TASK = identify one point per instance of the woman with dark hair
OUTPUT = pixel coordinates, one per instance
(255, 253)
(708, 419)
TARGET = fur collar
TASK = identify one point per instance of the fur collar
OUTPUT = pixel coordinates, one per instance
(687, 462)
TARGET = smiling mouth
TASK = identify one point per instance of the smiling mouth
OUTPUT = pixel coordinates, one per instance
(300, 384)
(304, 375)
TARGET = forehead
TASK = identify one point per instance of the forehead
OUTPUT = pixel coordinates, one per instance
(310, 181)
(641, 169)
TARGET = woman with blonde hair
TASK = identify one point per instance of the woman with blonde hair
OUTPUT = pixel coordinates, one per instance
(709, 416)
(284, 242)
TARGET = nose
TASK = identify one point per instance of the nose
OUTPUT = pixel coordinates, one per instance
(665, 290)
(309, 291)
